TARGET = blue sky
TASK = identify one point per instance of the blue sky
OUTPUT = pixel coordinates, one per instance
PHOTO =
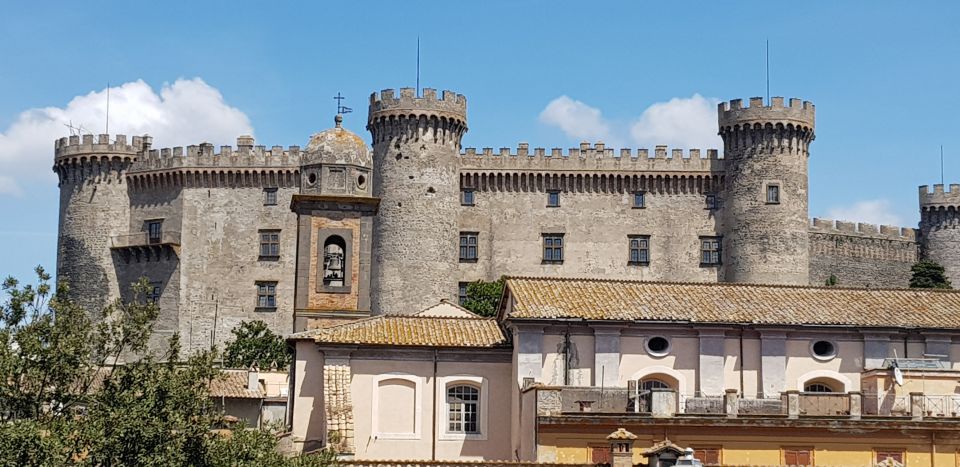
(882, 74)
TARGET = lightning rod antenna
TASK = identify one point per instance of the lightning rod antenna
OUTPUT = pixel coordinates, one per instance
(768, 71)
(108, 109)
(418, 65)
(941, 164)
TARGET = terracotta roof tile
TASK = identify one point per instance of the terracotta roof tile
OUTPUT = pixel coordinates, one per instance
(233, 384)
(558, 298)
(416, 331)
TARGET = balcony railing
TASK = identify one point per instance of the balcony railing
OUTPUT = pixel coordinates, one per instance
(568, 400)
(142, 239)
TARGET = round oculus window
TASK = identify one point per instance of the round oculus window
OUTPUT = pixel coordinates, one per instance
(658, 346)
(823, 350)
(361, 181)
(312, 178)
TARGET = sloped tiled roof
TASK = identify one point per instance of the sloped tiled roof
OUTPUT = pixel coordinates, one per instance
(555, 298)
(416, 330)
(233, 384)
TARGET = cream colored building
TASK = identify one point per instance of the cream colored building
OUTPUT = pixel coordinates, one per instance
(745, 374)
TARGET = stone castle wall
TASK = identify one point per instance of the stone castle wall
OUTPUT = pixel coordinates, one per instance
(861, 255)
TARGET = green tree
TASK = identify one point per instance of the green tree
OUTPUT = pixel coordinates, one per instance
(832, 280)
(483, 297)
(929, 275)
(255, 344)
(68, 398)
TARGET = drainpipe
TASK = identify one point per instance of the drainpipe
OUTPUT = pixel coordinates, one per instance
(740, 358)
(933, 449)
(433, 423)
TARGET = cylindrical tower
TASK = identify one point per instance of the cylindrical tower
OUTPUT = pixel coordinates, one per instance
(766, 227)
(94, 209)
(940, 228)
(416, 146)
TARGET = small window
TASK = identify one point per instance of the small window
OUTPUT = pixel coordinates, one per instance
(269, 196)
(468, 247)
(883, 454)
(552, 248)
(462, 292)
(711, 202)
(710, 251)
(773, 194)
(639, 250)
(639, 200)
(553, 199)
(463, 404)
(599, 453)
(658, 346)
(155, 231)
(798, 456)
(153, 293)
(334, 261)
(269, 244)
(708, 456)
(466, 198)
(823, 350)
(267, 295)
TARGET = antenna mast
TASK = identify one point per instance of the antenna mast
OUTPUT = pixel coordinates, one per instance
(941, 164)
(418, 65)
(108, 109)
(768, 71)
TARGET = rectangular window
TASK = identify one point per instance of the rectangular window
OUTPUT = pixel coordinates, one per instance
(269, 244)
(462, 292)
(155, 231)
(552, 248)
(266, 294)
(466, 197)
(639, 250)
(798, 456)
(553, 199)
(599, 453)
(711, 202)
(708, 456)
(468, 247)
(639, 200)
(887, 453)
(773, 194)
(153, 293)
(710, 251)
(464, 409)
(269, 196)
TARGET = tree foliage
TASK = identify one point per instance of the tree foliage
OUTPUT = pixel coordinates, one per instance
(255, 344)
(79, 391)
(483, 297)
(929, 275)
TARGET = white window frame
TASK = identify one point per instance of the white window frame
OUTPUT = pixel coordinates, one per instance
(417, 409)
(443, 408)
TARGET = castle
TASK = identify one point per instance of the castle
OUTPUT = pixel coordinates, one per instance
(295, 236)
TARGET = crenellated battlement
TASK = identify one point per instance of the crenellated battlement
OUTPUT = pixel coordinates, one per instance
(596, 157)
(206, 155)
(76, 146)
(449, 104)
(795, 112)
(862, 229)
(938, 197)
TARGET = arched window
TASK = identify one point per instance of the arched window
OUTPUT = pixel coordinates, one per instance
(463, 409)
(817, 387)
(333, 261)
(648, 384)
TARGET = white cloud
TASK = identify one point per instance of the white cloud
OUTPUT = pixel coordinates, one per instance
(189, 111)
(679, 123)
(877, 211)
(576, 119)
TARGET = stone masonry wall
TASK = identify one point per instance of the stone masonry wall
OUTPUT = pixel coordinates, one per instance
(861, 255)
(940, 228)
(220, 265)
(596, 226)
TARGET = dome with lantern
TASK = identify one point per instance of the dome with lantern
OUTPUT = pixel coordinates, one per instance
(337, 146)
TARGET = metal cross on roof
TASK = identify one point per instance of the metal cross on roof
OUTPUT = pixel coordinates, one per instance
(341, 109)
